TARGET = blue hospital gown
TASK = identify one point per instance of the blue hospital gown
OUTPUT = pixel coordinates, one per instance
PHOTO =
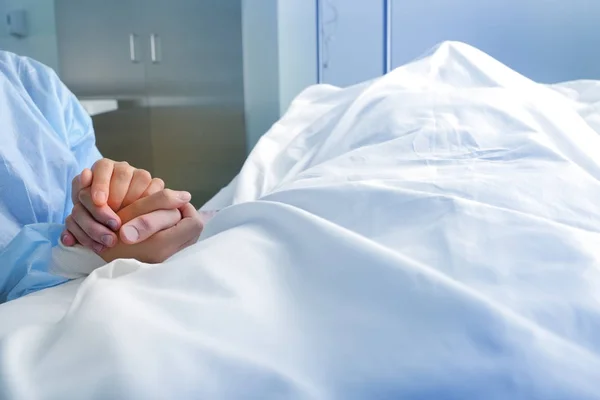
(46, 139)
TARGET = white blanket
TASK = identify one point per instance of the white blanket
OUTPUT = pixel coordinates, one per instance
(434, 234)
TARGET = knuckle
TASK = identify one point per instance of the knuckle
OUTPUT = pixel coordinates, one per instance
(78, 209)
(197, 224)
(104, 162)
(177, 216)
(144, 223)
(159, 183)
(143, 175)
(114, 203)
(72, 228)
(155, 186)
(122, 172)
(85, 240)
(92, 231)
(198, 227)
(168, 194)
(95, 231)
(82, 196)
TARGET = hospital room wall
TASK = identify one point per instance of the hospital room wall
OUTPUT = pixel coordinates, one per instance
(280, 59)
(351, 37)
(546, 40)
(297, 21)
(41, 42)
(261, 67)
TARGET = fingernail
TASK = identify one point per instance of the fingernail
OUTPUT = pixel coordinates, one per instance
(97, 247)
(63, 239)
(130, 233)
(113, 224)
(184, 196)
(107, 240)
(100, 197)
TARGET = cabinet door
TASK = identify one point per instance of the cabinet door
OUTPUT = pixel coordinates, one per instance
(195, 92)
(100, 49)
(194, 46)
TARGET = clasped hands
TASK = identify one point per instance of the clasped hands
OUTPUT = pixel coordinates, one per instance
(122, 212)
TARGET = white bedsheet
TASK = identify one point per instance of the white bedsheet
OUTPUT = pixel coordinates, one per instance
(44, 307)
(431, 234)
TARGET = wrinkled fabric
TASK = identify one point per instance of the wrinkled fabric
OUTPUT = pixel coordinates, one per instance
(27, 259)
(433, 234)
(46, 140)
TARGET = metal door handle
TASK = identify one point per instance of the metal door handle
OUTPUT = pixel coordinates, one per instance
(132, 52)
(154, 48)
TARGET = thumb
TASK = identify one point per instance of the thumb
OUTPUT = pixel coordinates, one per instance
(141, 228)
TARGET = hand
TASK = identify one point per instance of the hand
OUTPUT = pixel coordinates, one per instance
(97, 195)
(118, 184)
(177, 229)
(160, 215)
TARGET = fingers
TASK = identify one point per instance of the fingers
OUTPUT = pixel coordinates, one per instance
(185, 233)
(188, 229)
(164, 200)
(141, 228)
(155, 186)
(116, 184)
(80, 182)
(67, 238)
(162, 245)
(119, 184)
(102, 173)
(189, 211)
(103, 215)
(176, 238)
(75, 188)
(95, 231)
(191, 224)
(140, 182)
(81, 236)
(86, 178)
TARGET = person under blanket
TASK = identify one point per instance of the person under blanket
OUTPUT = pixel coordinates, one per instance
(47, 139)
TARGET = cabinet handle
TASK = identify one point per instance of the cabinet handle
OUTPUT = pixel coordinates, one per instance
(153, 48)
(132, 52)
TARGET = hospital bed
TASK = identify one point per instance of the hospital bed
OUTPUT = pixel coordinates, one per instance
(429, 234)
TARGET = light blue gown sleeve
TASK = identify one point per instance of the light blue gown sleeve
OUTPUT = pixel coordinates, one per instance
(47, 139)
(28, 256)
